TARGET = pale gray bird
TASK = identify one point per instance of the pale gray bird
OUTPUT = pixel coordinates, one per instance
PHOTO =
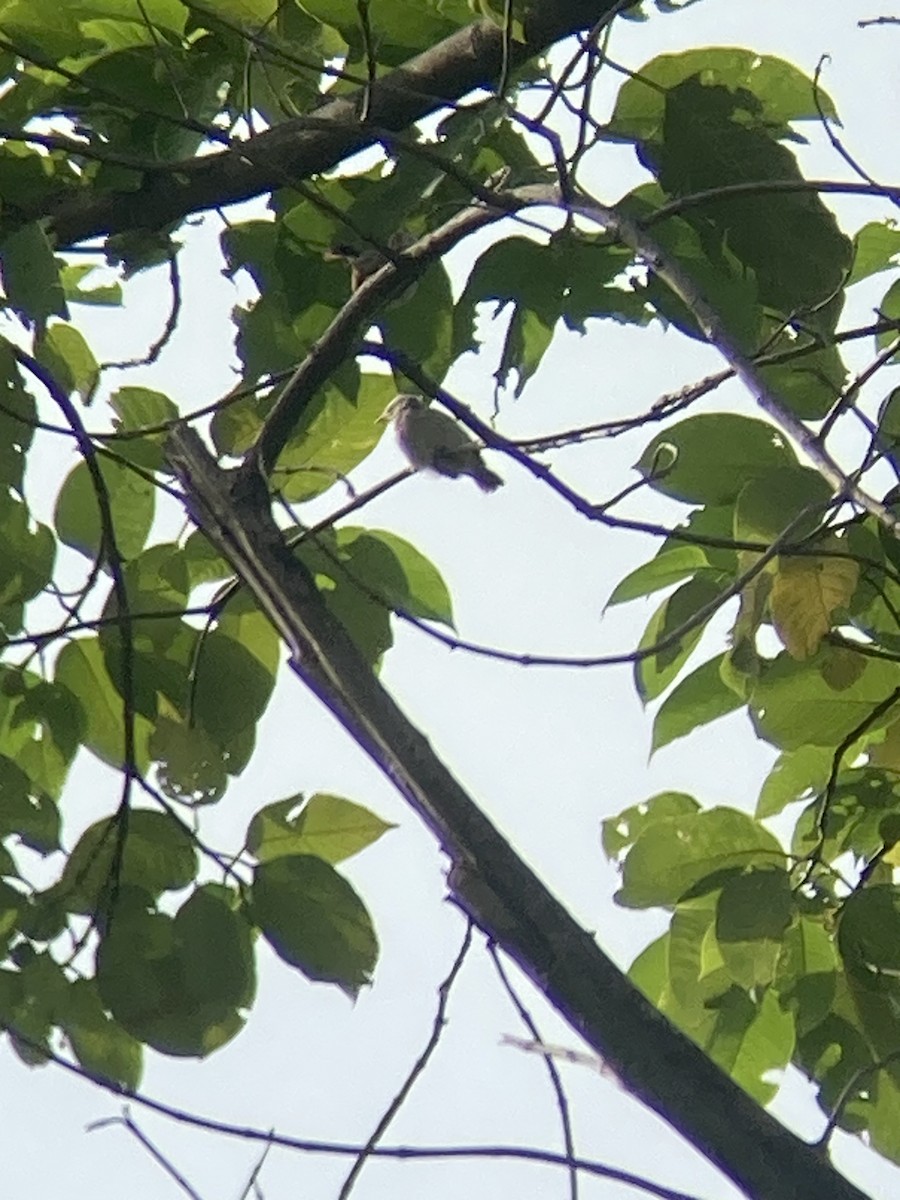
(365, 262)
(432, 440)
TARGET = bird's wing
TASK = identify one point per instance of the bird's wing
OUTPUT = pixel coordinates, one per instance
(441, 430)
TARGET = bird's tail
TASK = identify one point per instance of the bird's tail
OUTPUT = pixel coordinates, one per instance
(486, 479)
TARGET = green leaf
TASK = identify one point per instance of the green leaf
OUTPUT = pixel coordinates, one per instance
(709, 118)
(751, 1041)
(807, 385)
(27, 812)
(783, 90)
(673, 856)
(336, 431)
(137, 409)
(131, 502)
(232, 686)
(701, 697)
(30, 273)
(103, 1048)
(420, 323)
(796, 775)
(754, 911)
(190, 767)
(806, 974)
(621, 831)
(72, 275)
(397, 573)
(876, 247)
(314, 920)
(707, 459)
(329, 827)
(793, 705)
(69, 359)
(655, 671)
(671, 565)
(889, 310)
(143, 849)
(180, 985)
(81, 668)
(772, 500)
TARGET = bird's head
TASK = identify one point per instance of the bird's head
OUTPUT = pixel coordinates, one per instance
(405, 403)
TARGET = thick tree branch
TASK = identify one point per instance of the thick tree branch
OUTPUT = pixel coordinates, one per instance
(655, 1062)
(469, 59)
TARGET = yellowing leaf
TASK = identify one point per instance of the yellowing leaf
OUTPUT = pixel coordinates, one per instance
(805, 593)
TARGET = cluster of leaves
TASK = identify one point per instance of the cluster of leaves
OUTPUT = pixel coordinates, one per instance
(771, 956)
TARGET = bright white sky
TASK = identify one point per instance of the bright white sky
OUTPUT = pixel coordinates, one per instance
(549, 754)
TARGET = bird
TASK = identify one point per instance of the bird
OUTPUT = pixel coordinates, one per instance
(367, 261)
(432, 440)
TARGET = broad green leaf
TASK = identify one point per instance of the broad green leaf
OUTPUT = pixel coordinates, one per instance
(143, 849)
(784, 91)
(773, 499)
(793, 705)
(876, 247)
(751, 1041)
(190, 767)
(29, 271)
(420, 323)
(806, 973)
(701, 697)
(130, 498)
(103, 1048)
(204, 564)
(315, 921)
(27, 812)
(396, 572)
(18, 416)
(674, 856)
(180, 985)
(27, 557)
(889, 310)
(232, 688)
(754, 911)
(807, 385)
(137, 409)
(73, 275)
(69, 359)
(676, 615)
(335, 433)
(795, 776)
(671, 565)
(707, 459)
(82, 670)
(362, 612)
(621, 831)
(713, 117)
(329, 827)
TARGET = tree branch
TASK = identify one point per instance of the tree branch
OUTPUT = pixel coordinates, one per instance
(655, 1061)
(471, 58)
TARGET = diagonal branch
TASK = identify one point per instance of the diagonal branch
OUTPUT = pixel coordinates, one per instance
(656, 1062)
(471, 58)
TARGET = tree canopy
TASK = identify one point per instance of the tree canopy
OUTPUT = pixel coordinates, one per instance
(147, 622)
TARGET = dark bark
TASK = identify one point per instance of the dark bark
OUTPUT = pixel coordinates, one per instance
(654, 1061)
(308, 145)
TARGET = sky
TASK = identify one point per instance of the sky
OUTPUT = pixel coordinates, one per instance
(548, 753)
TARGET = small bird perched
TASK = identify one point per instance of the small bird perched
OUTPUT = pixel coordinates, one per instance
(432, 440)
(366, 262)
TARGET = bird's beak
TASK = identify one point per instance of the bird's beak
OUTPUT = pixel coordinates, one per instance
(387, 415)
